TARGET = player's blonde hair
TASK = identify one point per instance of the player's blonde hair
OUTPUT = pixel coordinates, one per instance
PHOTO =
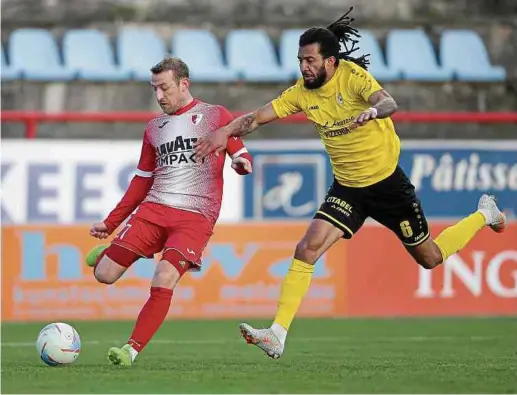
(178, 66)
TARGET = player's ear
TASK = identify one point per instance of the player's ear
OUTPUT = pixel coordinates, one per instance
(330, 61)
(184, 85)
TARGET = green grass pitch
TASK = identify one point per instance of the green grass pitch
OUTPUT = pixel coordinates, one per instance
(447, 355)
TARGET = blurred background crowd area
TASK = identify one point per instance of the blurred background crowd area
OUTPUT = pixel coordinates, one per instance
(95, 55)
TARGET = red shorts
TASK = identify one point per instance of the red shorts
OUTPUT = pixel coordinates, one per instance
(181, 230)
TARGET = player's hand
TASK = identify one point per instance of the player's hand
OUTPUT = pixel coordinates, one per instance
(99, 230)
(240, 163)
(364, 117)
(213, 143)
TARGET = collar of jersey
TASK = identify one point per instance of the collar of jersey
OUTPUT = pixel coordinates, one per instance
(184, 109)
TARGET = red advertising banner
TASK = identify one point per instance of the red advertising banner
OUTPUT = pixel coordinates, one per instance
(44, 277)
(384, 281)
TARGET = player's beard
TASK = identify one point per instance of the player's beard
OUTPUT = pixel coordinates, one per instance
(167, 108)
(318, 81)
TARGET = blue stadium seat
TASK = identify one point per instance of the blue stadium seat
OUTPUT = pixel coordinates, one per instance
(412, 52)
(202, 53)
(35, 53)
(8, 73)
(368, 44)
(288, 51)
(89, 52)
(464, 52)
(138, 50)
(252, 54)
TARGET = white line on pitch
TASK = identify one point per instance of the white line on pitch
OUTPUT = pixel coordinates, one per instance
(294, 339)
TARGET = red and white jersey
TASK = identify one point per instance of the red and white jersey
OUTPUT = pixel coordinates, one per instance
(168, 156)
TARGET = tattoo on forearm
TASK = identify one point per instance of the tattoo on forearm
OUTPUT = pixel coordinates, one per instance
(242, 125)
(385, 107)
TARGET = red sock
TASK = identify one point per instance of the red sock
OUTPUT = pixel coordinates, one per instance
(151, 317)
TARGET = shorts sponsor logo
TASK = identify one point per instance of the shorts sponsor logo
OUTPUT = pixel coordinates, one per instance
(340, 205)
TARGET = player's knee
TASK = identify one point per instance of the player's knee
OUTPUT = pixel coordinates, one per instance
(165, 276)
(308, 251)
(109, 270)
(104, 275)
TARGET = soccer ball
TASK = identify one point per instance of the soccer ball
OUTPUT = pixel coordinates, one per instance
(58, 344)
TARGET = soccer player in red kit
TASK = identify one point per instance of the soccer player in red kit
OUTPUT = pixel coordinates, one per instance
(177, 200)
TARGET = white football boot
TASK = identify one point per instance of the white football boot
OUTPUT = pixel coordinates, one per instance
(495, 218)
(264, 339)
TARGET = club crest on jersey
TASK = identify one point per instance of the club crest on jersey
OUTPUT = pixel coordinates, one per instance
(340, 99)
(196, 118)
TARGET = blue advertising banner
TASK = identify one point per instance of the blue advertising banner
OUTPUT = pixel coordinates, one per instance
(73, 181)
(290, 180)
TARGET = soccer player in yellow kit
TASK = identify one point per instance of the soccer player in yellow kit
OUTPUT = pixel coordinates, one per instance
(351, 113)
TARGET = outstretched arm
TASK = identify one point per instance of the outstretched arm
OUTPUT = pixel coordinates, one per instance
(383, 103)
(382, 106)
(135, 194)
(247, 123)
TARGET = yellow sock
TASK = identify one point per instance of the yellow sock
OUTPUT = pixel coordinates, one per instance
(294, 287)
(455, 237)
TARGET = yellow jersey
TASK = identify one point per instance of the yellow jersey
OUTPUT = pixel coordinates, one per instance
(359, 157)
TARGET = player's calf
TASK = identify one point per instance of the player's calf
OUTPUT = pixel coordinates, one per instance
(167, 274)
(430, 254)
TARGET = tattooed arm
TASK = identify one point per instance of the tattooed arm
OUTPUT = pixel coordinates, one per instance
(382, 106)
(245, 124)
(383, 103)
(249, 122)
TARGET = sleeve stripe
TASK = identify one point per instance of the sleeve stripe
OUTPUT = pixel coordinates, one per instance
(239, 152)
(142, 173)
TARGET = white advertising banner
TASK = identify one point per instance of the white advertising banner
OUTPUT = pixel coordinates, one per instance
(75, 181)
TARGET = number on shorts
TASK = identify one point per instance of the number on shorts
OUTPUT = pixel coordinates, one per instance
(405, 227)
(124, 231)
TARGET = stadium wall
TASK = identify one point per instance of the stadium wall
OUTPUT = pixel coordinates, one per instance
(130, 97)
(54, 189)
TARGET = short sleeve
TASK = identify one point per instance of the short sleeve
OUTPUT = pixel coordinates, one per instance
(287, 103)
(225, 116)
(147, 162)
(362, 84)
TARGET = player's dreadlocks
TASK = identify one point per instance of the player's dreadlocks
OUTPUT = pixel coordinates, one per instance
(344, 32)
(330, 38)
